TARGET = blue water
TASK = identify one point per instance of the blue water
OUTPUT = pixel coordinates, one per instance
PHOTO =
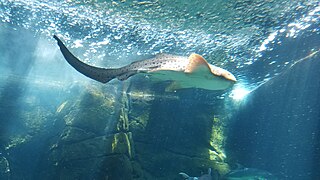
(57, 124)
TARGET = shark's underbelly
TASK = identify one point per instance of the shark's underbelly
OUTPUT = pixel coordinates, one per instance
(186, 80)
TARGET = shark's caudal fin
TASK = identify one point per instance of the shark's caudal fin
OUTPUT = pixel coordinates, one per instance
(99, 74)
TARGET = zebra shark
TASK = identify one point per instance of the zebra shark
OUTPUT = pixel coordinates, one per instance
(203, 177)
(185, 72)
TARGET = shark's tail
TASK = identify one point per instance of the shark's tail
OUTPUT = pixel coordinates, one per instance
(99, 74)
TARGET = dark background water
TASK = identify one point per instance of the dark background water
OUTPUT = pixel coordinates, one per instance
(277, 127)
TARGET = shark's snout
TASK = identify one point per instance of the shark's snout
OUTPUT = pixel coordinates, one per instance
(229, 76)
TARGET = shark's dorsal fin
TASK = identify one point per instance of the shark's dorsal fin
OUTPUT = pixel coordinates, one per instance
(197, 64)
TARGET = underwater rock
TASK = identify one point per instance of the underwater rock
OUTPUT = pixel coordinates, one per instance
(74, 134)
(166, 164)
(173, 135)
(102, 135)
(93, 112)
(95, 147)
(29, 118)
(138, 115)
(74, 160)
(116, 166)
(95, 142)
(28, 127)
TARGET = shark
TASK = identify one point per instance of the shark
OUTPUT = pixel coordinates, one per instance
(184, 72)
(203, 177)
(249, 174)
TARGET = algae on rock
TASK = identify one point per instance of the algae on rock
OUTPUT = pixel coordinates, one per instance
(96, 130)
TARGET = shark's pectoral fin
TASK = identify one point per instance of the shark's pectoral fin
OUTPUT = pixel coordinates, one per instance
(176, 85)
(197, 64)
(173, 87)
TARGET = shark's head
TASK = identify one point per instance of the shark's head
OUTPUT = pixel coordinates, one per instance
(227, 75)
(207, 76)
(222, 73)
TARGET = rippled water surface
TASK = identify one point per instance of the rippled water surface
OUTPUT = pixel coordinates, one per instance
(231, 34)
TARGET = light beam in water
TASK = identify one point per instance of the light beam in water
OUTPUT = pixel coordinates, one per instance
(239, 93)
